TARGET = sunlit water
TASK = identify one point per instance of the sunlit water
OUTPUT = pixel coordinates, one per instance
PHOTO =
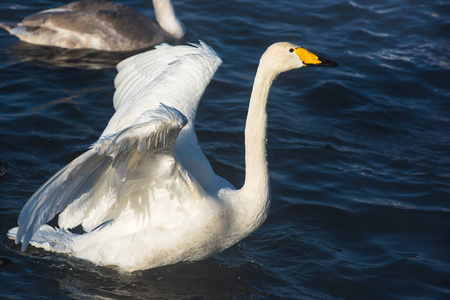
(359, 155)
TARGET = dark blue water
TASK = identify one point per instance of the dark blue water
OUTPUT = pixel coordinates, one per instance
(359, 155)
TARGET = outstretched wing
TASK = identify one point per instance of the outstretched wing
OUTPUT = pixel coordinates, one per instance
(137, 147)
(91, 187)
(174, 75)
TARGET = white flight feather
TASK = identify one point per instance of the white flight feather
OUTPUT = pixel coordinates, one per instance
(177, 75)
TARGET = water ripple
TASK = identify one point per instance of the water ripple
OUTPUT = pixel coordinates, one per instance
(358, 155)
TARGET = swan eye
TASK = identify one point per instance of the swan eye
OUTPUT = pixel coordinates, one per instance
(291, 50)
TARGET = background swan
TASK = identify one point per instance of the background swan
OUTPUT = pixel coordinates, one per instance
(145, 193)
(99, 25)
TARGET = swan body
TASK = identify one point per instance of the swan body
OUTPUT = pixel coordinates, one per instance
(145, 194)
(99, 25)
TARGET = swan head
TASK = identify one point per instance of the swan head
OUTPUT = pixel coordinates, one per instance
(283, 56)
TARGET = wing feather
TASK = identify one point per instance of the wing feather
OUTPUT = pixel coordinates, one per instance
(88, 189)
(174, 75)
(57, 192)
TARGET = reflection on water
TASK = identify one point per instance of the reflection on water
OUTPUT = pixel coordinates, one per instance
(83, 280)
(22, 52)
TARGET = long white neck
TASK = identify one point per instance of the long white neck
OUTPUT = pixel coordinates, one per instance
(165, 15)
(256, 186)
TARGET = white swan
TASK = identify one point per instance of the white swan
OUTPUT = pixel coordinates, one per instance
(99, 25)
(145, 193)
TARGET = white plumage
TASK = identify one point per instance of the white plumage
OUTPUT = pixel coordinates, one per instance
(145, 194)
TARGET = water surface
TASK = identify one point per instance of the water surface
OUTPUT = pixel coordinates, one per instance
(359, 155)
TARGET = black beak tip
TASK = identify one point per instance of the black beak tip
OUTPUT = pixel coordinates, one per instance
(328, 63)
(334, 64)
(324, 63)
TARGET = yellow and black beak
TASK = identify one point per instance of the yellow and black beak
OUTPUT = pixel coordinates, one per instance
(311, 60)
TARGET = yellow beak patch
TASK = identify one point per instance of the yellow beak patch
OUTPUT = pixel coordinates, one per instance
(307, 57)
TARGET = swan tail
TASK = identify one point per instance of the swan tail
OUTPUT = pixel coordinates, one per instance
(48, 238)
(8, 26)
